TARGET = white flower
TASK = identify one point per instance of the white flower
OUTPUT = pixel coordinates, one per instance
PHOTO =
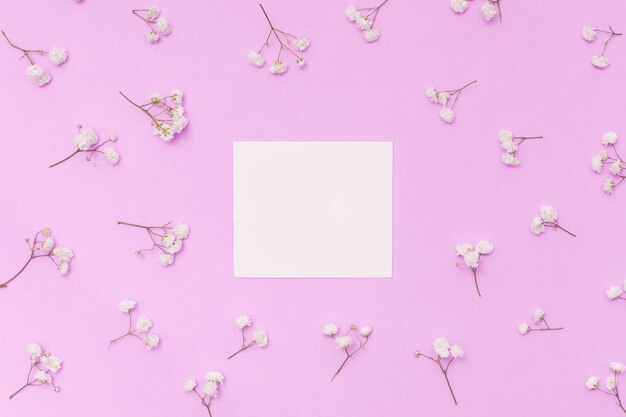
(536, 226)
(301, 44)
(155, 98)
(210, 389)
(446, 114)
(611, 382)
(43, 377)
(459, 6)
(43, 80)
(175, 247)
(471, 259)
(596, 163)
(609, 186)
(617, 367)
(589, 33)
(489, 10)
(189, 385)
(278, 67)
(153, 12)
(352, 13)
(260, 338)
(181, 230)
(177, 96)
(484, 247)
(34, 72)
(523, 328)
(52, 363)
(548, 213)
(603, 154)
(441, 347)
(538, 315)
(47, 244)
(431, 93)
(365, 331)
(64, 254)
(463, 248)
(616, 167)
(600, 61)
(609, 138)
(162, 26)
(510, 159)
(330, 329)
(167, 239)
(57, 55)
(509, 146)
(592, 382)
(64, 267)
(343, 341)
(143, 324)
(363, 23)
(256, 59)
(166, 259)
(85, 139)
(242, 322)
(214, 377)
(112, 156)
(46, 232)
(152, 341)
(442, 97)
(371, 35)
(127, 305)
(456, 351)
(505, 135)
(179, 123)
(34, 350)
(152, 36)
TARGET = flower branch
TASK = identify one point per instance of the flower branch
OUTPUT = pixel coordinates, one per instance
(166, 114)
(615, 292)
(212, 381)
(471, 255)
(445, 355)
(166, 239)
(611, 383)
(44, 365)
(158, 25)
(344, 342)
(364, 18)
(443, 96)
(538, 318)
(589, 33)
(547, 218)
(511, 144)
(142, 326)
(614, 161)
(85, 140)
(259, 337)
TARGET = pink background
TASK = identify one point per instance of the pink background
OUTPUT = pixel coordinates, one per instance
(450, 186)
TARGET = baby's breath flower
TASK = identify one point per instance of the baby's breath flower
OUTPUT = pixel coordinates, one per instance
(445, 354)
(344, 342)
(538, 318)
(259, 337)
(547, 218)
(42, 368)
(142, 325)
(34, 72)
(85, 141)
(158, 26)
(471, 255)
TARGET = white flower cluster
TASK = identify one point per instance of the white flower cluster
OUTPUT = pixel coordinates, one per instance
(364, 19)
(142, 326)
(471, 255)
(167, 239)
(212, 381)
(158, 24)
(445, 353)
(166, 113)
(538, 318)
(43, 245)
(511, 144)
(615, 163)
(85, 140)
(287, 42)
(42, 367)
(589, 33)
(547, 218)
(489, 8)
(344, 342)
(442, 97)
(615, 291)
(611, 383)
(259, 337)
(35, 72)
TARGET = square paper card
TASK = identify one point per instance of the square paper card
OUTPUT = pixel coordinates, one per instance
(312, 209)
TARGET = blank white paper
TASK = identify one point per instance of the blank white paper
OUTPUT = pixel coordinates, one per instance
(312, 209)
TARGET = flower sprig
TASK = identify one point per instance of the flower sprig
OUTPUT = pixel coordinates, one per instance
(489, 8)
(167, 239)
(510, 144)
(593, 383)
(142, 326)
(286, 42)
(445, 355)
(44, 365)
(364, 18)
(615, 292)
(615, 162)
(443, 96)
(34, 72)
(259, 337)
(589, 33)
(158, 25)
(344, 342)
(547, 218)
(471, 255)
(212, 381)
(43, 246)
(539, 317)
(85, 140)
(167, 114)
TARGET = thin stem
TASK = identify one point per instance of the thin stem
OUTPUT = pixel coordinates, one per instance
(134, 225)
(476, 282)
(63, 160)
(275, 32)
(249, 345)
(341, 367)
(565, 230)
(4, 285)
(26, 385)
(26, 52)
(445, 374)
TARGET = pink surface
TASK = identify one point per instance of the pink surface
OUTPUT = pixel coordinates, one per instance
(534, 77)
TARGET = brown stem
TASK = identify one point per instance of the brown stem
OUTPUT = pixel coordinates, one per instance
(566, 231)
(341, 367)
(275, 32)
(476, 281)
(241, 350)
(26, 52)
(134, 225)
(63, 160)
(21, 389)
(4, 285)
(445, 374)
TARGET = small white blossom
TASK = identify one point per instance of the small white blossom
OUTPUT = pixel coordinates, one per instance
(463, 248)
(471, 259)
(592, 382)
(57, 55)
(456, 351)
(484, 247)
(278, 67)
(47, 244)
(509, 159)
(162, 26)
(143, 324)
(363, 23)
(189, 385)
(210, 389)
(548, 213)
(181, 230)
(256, 59)
(85, 138)
(175, 247)
(242, 322)
(43, 377)
(523, 328)
(64, 267)
(489, 10)
(538, 315)
(446, 114)
(609, 138)
(352, 13)
(596, 163)
(536, 226)
(609, 186)
(153, 12)
(617, 367)
(611, 382)
(343, 342)
(52, 363)
(616, 167)
(371, 35)
(589, 33)
(165, 259)
(301, 44)
(260, 338)
(43, 80)
(34, 72)
(214, 377)
(614, 292)
(112, 156)
(152, 341)
(34, 350)
(64, 254)
(127, 305)
(459, 6)
(441, 347)
(330, 329)
(600, 61)
(365, 331)
(152, 37)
